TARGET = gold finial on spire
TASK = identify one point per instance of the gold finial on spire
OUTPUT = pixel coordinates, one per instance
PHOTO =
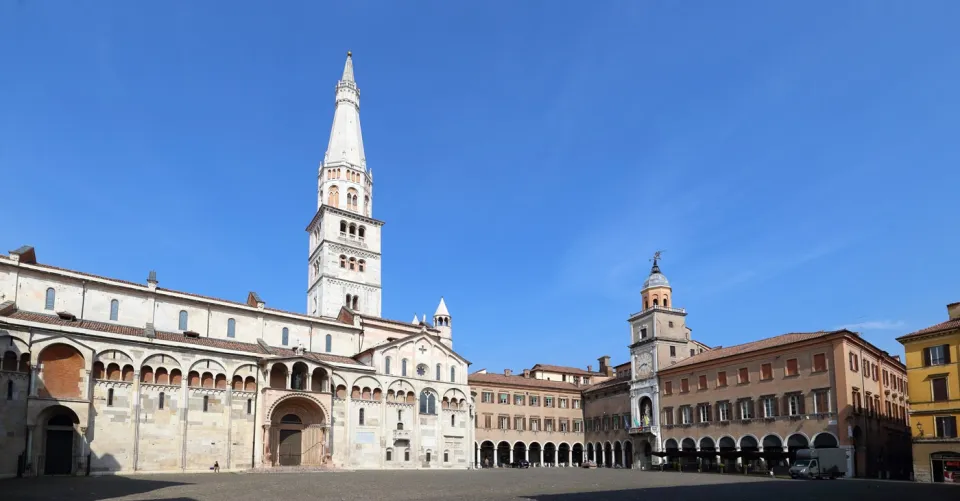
(349, 54)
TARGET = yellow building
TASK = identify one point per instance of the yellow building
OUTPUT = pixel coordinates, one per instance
(933, 384)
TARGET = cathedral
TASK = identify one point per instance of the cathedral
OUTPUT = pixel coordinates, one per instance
(105, 375)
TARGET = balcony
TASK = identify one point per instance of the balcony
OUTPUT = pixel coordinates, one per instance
(637, 430)
(401, 435)
(660, 308)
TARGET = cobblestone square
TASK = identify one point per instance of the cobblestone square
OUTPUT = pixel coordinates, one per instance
(506, 484)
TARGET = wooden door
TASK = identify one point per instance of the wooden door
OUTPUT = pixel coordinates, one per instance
(289, 453)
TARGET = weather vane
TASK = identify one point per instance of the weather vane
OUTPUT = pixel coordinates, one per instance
(656, 256)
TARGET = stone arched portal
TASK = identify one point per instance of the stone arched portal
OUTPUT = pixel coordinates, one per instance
(296, 433)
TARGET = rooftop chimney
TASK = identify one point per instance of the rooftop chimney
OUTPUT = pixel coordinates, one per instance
(953, 310)
(24, 254)
(152, 280)
(897, 358)
(605, 365)
(507, 372)
(589, 368)
(526, 373)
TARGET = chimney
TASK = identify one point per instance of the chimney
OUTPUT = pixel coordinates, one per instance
(589, 368)
(507, 372)
(152, 280)
(605, 364)
(897, 358)
(526, 373)
(953, 310)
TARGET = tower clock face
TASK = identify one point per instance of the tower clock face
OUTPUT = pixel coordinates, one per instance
(644, 364)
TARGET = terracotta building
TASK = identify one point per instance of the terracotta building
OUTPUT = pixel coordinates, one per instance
(607, 420)
(933, 368)
(535, 416)
(757, 403)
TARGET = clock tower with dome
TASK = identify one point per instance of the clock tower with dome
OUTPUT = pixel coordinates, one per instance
(659, 338)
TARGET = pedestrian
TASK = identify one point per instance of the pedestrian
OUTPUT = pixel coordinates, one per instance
(216, 466)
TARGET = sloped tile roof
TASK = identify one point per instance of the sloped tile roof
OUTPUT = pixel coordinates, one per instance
(567, 370)
(941, 327)
(127, 330)
(740, 349)
(608, 384)
(519, 380)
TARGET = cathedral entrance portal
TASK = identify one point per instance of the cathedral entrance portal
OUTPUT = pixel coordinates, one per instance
(59, 436)
(297, 433)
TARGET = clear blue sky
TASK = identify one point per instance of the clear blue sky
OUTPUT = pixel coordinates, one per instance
(798, 164)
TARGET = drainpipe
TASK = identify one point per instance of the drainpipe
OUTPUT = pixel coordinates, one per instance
(83, 299)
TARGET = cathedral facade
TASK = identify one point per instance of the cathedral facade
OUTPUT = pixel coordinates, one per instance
(105, 375)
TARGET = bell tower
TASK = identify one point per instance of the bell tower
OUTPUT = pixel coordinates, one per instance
(344, 257)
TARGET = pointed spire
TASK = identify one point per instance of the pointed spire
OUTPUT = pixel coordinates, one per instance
(416, 320)
(442, 309)
(348, 69)
(346, 140)
(655, 268)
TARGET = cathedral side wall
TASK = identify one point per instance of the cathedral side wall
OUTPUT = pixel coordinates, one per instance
(13, 419)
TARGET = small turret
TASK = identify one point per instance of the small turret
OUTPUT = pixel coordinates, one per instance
(441, 320)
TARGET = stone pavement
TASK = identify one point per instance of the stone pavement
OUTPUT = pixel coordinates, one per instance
(561, 484)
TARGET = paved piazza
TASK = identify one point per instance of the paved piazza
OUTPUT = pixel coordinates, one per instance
(534, 484)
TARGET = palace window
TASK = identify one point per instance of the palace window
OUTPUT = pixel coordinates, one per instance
(534, 400)
(684, 385)
(934, 355)
(183, 320)
(517, 399)
(548, 424)
(702, 382)
(578, 426)
(667, 417)
(821, 401)
(723, 409)
(721, 379)
(51, 299)
(766, 372)
(686, 415)
(343, 261)
(938, 389)
(564, 426)
(453, 420)
(231, 327)
(819, 362)
(792, 369)
(548, 401)
(746, 409)
(668, 387)
(503, 423)
(504, 398)
(389, 454)
(946, 427)
(562, 402)
(576, 403)
(406, 455)
(704, 411)
(114, 309)
(794, 407)
(743, 376)
(769, 407)
(673, 349)
(486, 397)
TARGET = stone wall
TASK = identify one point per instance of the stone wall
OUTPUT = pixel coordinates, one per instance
(207, 438)
(111, 439)
(13, 424)
(159, 447)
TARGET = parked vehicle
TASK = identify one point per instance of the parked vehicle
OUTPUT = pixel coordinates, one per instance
(520, 464)
(588, 464)
(819, 463)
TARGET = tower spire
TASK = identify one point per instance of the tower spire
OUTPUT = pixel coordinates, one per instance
(346, 141)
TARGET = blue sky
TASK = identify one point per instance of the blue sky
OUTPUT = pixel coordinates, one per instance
(798, 164)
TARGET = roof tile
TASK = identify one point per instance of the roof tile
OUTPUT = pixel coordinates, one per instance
(563, 369)
(941, 327)
(740, 349)
(519, 380)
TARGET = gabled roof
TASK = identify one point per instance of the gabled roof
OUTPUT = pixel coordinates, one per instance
(740, 349)
(933, 329)
(519, 380)
(610, 383)
(413, 337)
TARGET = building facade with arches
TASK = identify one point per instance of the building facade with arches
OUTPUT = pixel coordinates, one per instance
(757, 403)
(122, 376)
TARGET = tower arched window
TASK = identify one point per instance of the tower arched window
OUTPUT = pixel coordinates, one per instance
(403, 367)
(666, 302)
(51, 299)
(333, 196)
(183, 320)
(353, 230)
(361, 264)
(346, 301)
(114, 309)
(343, 226)
(366, 205)
(362, 231)
(343, 261)
(656, 302)
(453, 374)
(353, 264)
(646, 305)
(386, 365)
(231, 327)
(285, 336)
(356, 303)
(328, 343)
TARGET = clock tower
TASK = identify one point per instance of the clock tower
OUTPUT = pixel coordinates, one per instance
(659, 339)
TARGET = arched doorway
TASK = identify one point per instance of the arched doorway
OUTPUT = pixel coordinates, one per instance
(672, 449)
(627, 454)
(689, 448)
(563, 454)
(707, 445)
(577, 454)
(607, 455)
(519, 451)
(503, 454)
(536, 453)
(598, 453)
(590, 452)
(486, 454)
(825, 441)
(748, 448)
(298, 433)
(60, 439)
(549, 453)
(728, 452)
(617, 454)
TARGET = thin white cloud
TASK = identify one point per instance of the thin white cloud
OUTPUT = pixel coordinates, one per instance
(874, 325)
